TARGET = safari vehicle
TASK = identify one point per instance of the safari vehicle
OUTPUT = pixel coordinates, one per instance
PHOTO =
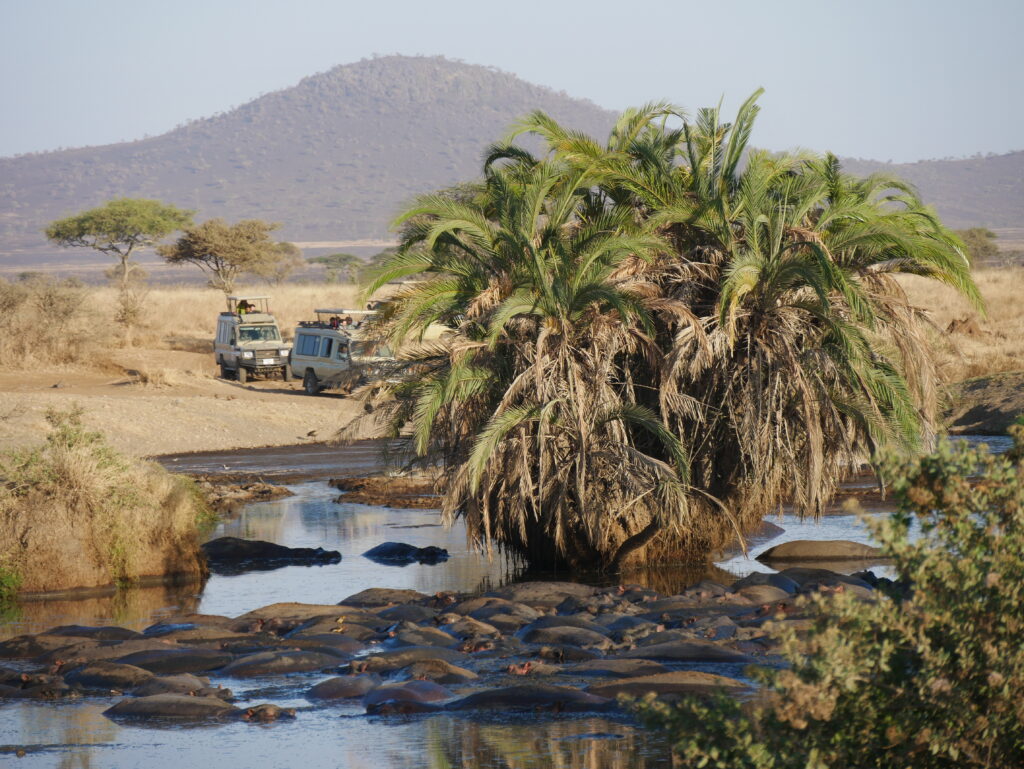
(248, 340)
(333, 351)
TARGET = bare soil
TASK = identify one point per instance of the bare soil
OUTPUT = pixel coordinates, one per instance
(986, 405)
(151, 402)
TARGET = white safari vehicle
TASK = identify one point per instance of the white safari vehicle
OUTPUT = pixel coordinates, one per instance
(248, 340)
(332, 352)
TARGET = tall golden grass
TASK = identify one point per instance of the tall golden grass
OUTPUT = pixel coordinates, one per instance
(76, 514)
(993, 343)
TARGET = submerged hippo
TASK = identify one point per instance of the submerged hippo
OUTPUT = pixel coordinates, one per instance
(230, 555)
(401, 554)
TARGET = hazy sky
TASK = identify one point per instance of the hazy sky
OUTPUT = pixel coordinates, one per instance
(884, 79)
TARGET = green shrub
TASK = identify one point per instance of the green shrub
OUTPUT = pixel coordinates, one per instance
(932, 680)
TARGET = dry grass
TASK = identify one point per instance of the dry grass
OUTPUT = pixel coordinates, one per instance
(76, 514)
(996, 343)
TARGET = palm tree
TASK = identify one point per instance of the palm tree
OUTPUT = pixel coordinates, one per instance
(658, 340)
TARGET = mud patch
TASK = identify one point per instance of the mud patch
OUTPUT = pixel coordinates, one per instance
(385, 491)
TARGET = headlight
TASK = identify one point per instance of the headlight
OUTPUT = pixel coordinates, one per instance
(283, 353)
(247, 354)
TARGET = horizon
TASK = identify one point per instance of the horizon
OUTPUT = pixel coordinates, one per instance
(850, 81)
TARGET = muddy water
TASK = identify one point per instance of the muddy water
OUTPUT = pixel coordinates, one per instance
(76, 734)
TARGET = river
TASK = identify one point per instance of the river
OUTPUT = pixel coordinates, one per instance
(74, 733)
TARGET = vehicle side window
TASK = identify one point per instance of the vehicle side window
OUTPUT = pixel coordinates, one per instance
(342, 353)
(307, 344)
(325, 348)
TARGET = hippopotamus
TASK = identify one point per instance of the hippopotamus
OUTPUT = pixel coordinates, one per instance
(402, 554)
(230, 555)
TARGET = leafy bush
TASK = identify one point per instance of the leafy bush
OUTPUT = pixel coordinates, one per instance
(929, 680)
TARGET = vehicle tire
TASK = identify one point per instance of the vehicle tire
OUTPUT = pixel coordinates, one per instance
(286, 373)
(310, 383)
(243, 375)
(225, 372)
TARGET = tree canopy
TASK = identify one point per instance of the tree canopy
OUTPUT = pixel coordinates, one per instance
(224, 251)
(118, 228)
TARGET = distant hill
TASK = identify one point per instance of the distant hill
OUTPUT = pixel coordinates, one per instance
(331, 158)
(334, 157)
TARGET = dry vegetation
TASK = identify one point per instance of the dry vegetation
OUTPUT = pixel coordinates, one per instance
(981, 346)
(76, 514)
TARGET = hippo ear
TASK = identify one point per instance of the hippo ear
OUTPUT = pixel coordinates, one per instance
(248, 714)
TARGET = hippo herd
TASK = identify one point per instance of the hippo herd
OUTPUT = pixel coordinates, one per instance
(531, 647)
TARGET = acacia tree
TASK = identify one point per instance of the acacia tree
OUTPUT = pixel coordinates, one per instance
(341, 263)
(285, 259)
(118, 228)
(224, 251)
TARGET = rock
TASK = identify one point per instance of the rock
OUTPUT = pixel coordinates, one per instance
(108, 675)
(402, 554)
(171, 661)
(674, 682)
(819, 550)
(686, 651)
(616, 668)
(344, 687)
(231, 555)
(531, 697)
(278, 663)
(382, 596)
(173, 706)
(409, 691)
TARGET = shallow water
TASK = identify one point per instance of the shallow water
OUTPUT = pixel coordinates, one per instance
(76, 734)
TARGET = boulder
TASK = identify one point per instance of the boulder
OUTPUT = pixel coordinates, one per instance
(231, 555)
(173, 706)
(402, 554)
(819, 550)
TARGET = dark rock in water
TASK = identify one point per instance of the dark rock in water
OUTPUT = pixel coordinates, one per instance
(402, 554)
(231, 555)
(819, 550)
(108, 675)
(344, 687)
(559, 699)
(171, 661)
(173, 706)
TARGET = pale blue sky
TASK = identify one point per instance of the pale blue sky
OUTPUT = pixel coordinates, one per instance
(885, 79)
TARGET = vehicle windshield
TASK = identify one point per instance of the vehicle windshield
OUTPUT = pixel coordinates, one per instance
(259, 334)
(373, 349)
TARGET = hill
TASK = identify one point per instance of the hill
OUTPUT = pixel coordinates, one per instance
(331, 158)
(334, 157)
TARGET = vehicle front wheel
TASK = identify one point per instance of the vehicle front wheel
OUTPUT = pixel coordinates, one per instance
(286, 373)
(310, 383)
(243, 374)
(225, 372)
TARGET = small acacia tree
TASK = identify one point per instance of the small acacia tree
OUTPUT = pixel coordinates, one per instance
(930, 680)
(225, 251)
(118, 228)
(286, 259)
